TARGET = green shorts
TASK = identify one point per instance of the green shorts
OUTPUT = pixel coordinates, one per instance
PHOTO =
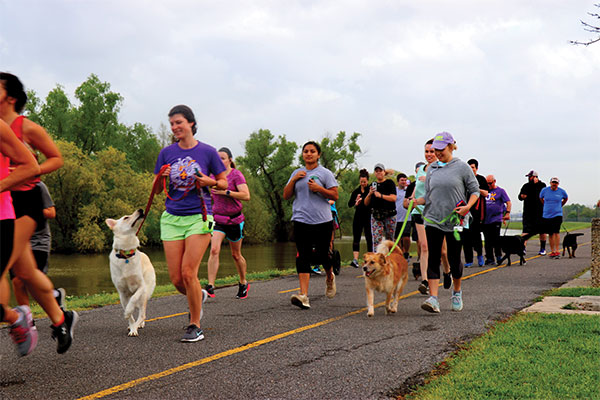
(178, 227)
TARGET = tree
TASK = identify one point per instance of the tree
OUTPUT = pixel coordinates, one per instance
(339, 154)
(271, 162)
(590, 28)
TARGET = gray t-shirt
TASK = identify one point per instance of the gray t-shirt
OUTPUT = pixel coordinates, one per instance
(400, 210)
(41, 239)
(309, 207)
(445, 186)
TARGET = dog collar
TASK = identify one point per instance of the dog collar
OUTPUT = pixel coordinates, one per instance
(125, 254)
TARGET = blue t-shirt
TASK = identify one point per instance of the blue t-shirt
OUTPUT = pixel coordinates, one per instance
(184, 164)
(495, 204)
(309, 207)
(553, 201)
(419, 189)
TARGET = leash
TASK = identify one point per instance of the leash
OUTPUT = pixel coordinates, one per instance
(403, 226)
(453, 217)
(156, 184)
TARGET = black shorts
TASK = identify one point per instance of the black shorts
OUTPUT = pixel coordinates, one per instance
(552, 225)
(533, 226)
(405, 232)
(41, 260)
(233, 233)
(7, 232)
(29, 203)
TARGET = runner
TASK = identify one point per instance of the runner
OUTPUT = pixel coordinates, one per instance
(448, 182)
(229, 223)
(553, 199)
(361, 223)
(187, 223)
(533, 209)
(382, 199)
(312, 186)
(22, 330)
(27, 202)
(401, 214)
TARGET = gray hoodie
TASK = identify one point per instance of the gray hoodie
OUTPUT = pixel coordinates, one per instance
(445, 186)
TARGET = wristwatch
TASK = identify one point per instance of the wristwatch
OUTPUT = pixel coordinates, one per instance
(228, 192)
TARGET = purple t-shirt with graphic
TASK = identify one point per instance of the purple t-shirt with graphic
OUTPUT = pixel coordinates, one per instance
(184, 164)
(495, 205)
(227, 210)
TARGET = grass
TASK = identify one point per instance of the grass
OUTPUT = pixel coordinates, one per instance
(529, 356)
(87, 302)
(573, 292)
(568, 225)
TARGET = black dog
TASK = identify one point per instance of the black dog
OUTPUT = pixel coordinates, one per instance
(512, 245)
(570, 243)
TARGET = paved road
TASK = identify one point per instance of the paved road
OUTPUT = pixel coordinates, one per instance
(263, 347)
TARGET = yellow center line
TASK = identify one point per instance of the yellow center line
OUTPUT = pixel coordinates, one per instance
(227, 353)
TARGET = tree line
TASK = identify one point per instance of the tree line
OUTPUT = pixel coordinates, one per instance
(108, 170)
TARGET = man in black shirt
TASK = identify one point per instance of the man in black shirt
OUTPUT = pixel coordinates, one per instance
(472, 237)
(532, 209)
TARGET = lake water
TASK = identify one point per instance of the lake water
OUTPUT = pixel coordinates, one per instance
(90, 273)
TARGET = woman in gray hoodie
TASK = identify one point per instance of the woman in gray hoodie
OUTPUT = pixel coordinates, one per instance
(450, 191)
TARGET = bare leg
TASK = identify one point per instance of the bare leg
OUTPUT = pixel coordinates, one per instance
(213, 259)
(424, 251)
(304, 279)
(239, 260)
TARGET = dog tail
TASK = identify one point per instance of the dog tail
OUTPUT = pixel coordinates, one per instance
(385, 247)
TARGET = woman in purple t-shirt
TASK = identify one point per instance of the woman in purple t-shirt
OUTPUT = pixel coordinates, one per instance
(187, 223)
(229, 223)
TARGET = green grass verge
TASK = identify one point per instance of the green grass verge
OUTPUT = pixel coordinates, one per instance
(568, 225)
(87, 302)
(573, 292)
(530, 356)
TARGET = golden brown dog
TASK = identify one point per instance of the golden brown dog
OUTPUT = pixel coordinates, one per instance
(387, 274)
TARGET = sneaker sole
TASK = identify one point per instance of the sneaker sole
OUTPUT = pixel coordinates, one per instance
(246, 295)
(429, 308)
(199, 338)
(298, 303)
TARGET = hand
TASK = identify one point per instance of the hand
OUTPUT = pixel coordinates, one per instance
(372, 190)
(523, 196)
(358, 200)
(299, 175)
(506, 216)
(462, 210)
(313, 186)
(167, 171)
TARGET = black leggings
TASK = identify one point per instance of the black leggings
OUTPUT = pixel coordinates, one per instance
(309, 237)
(435, 238)
(7, 233)
(471, 239)
(361, 224)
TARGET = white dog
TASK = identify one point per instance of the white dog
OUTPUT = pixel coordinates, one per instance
(131, 271)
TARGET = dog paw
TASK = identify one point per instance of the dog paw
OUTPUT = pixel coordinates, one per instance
(133, 333)
(142, 325)
(370, 314)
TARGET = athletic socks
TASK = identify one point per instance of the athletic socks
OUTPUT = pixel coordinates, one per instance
(62, 320)
(542, 245)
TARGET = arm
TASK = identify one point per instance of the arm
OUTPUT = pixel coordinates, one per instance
(564, 201)
(38, 138)
(331, 193)
(12, 148)
(243, 193)
(288, 190)
(506, 215)
(463, 210)
(49, 213)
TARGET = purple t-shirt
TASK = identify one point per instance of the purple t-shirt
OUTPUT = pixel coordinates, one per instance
(495, 205)
(184, 164)
(227, 207)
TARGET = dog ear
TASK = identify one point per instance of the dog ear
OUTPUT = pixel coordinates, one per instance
(111, 222)
(380, 258)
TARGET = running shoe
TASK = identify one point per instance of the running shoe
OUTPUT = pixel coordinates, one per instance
(498, 260)
(431, 305)
(330, 288)
(354, 263)
(210, 290)
(300, 300)
(480, 261)
(63, 334)
(542, 252)
(468, 265)
(205, 296)
(192, 334)
(489, 261)
(447, 280)
(424, 287)
(456, 300)
(242, 290)
(60, 298)
(23, 332)
(316, 270)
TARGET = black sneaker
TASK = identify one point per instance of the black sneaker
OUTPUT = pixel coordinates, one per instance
(60, 298)
(242, 291)
(447, 281)
(210, 290)
(192, 334)
(424, 287)
(63, 334)
(354, 263)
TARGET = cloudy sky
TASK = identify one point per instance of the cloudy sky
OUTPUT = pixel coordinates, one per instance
(500, 75)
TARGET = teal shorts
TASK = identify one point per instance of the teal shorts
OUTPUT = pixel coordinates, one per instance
(180, 227)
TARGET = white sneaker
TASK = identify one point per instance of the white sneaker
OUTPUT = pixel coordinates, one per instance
(300, 300)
